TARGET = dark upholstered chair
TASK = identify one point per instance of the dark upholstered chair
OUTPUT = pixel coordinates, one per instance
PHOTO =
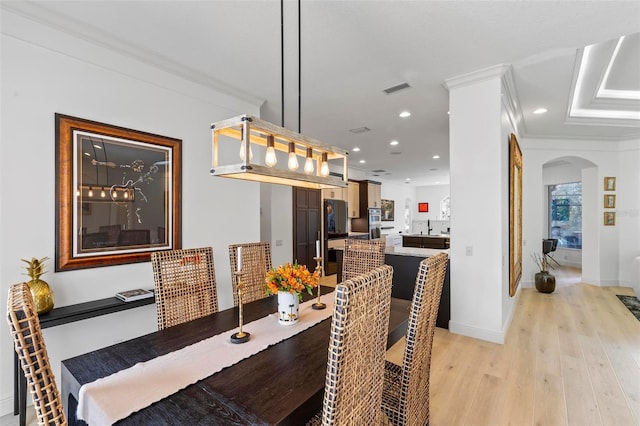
(185, 285)
(32, 352)
(406, 387)
(134, 237)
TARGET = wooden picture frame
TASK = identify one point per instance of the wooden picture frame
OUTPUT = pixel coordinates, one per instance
(515, 214)
(609, 201)
(609, 218)
(118, 194)
(609, 183)
(423, 207)
(387, 209)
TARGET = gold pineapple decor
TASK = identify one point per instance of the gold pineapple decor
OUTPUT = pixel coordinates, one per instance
(40, 290)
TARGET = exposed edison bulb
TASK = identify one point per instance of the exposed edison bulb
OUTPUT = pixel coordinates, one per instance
(270, 158)
(324, 166)
(243, 152)
(90, 193)
(115, 193)
(126, 193)
(78, 193)
(102, 193)
(293, 158)
(308, 163)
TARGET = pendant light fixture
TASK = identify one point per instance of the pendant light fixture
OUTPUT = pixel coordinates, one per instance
(269, 138)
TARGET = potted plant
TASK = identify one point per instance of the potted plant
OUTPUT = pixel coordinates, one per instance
(545, 281)
(288, 282)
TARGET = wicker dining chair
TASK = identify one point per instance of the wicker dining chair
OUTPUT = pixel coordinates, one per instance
(185, 285)
(361, 256)
(357, 345)
(406, 388)
(256, 261)
(24, 326)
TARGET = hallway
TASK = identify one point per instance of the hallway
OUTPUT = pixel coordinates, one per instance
(571, 358)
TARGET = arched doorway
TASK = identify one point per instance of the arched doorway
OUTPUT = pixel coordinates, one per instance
(568, 216)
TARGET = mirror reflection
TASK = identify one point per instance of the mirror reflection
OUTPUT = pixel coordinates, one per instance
(122, 189)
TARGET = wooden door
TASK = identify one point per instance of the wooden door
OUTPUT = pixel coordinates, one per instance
(306, 225)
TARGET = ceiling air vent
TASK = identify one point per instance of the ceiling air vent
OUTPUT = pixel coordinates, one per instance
(360, 130)
(378, 171)
(396, 88)
(395, 153)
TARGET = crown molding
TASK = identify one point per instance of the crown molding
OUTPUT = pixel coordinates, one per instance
(496, 71)
(83, 32)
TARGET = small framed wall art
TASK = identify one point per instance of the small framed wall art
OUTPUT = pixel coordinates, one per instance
(609, 218)
(609, 183)
(423, 207)
(609, 201)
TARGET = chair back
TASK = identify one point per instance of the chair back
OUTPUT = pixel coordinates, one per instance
(185, 285)
(361, 256)
(256, 261)
(355, 365)
(134, 237)
(24, 326)
(416, 365)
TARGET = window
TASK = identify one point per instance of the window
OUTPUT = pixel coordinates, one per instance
(565, 214)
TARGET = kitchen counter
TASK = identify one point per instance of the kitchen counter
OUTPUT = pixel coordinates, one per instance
(414, 251)
(428, 236)
(405, 262)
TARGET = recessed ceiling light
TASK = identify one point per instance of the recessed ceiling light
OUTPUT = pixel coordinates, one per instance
(362, 161)
(435, 157)
(437, 182)
(394, 143)
(540, 111)
(356, 149)
(405, 114)
(408, 179)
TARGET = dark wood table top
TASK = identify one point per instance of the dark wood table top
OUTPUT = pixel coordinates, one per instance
(280, 385)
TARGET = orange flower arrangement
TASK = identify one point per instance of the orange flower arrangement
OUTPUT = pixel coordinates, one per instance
(291, 278)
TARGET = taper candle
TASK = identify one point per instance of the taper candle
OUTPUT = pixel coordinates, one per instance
(317, 248)
(239, 266)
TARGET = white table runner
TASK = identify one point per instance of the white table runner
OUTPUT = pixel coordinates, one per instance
(112, 398)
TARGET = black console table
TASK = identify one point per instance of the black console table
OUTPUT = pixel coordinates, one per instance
(65, 315)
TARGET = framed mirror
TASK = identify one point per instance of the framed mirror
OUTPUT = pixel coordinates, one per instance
(515, 214)
(117, 194)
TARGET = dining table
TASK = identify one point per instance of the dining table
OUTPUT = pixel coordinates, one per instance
(281, 385)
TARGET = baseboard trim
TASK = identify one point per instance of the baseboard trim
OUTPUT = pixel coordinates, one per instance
(477, 333)
(6, 406)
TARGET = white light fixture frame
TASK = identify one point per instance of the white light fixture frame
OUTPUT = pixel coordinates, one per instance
(249, 130)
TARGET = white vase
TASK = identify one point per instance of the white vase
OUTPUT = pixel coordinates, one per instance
(287, 308)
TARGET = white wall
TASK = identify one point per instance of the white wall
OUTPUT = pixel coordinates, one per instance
(401, 194)
(628, 212)
(607, 250)
(45, 71)
(480, 304)
(432, 194)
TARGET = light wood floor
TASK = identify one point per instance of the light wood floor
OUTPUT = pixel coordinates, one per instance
(571, 358)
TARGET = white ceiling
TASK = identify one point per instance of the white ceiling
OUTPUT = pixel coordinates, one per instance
(352, 50)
